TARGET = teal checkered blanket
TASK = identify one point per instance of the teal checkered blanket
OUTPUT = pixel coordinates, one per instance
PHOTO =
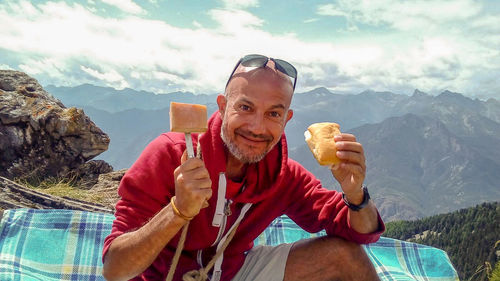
(66, 245)
(393, 259)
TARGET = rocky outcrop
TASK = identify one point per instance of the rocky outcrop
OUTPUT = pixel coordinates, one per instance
(39, 136)
(107, 186)
(87, 175)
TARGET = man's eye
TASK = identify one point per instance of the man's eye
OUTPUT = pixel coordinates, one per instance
(274, 114)
(244, 107)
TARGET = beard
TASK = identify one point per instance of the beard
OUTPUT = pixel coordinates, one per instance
(237, 152)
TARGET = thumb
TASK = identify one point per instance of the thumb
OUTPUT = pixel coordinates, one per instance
(184, 156)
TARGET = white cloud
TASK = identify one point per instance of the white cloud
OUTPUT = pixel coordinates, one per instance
(5, 67)
(240, 4)
(403, 15)
(68, 44)
(235, 20)
(310, 20)
(330, 10)
(58, 70)
(197, 24)
(128, 6)
(111, 77)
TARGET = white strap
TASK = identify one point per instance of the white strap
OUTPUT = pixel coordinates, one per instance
(221, 201)
(218, 263)
(199, 258)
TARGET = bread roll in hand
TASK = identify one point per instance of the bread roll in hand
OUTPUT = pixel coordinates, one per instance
(319, 138)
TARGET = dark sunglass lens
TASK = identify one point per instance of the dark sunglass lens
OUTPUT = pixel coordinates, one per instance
(254, 61)
(286, 68)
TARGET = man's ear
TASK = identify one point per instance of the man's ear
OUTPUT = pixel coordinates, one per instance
(222, 103)
(289, 115)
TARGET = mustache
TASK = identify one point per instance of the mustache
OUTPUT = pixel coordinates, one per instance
(250, 134)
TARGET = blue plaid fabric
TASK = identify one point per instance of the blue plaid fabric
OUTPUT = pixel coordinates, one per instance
(393, 259)
(51, 245)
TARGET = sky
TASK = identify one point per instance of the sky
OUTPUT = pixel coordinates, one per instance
(346, 46)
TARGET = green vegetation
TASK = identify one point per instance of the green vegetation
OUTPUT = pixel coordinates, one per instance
(469, 236)
(495, 275)
(64, 188)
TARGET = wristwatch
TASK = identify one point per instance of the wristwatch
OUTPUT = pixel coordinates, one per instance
(366, 198)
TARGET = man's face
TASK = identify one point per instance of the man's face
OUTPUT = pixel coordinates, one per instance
(254, 112)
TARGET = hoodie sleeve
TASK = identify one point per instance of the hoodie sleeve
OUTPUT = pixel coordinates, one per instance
(145, 188)
(315, 208)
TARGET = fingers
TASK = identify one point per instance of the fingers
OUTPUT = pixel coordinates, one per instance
(187, 182)
(351, 170)
(351, 153)
(194, 171)
(193, 186)
(350, 150)
(192, 168)
(190, 163)
(184, 156)
(355, 169)
(192, 194)
(344, 137)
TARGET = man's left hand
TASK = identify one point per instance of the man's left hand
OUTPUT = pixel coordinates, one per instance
(351, 171)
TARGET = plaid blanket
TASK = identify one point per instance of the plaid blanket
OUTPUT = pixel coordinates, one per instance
(393, 259)
(66, 245)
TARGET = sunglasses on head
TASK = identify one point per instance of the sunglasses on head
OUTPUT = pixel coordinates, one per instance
(261, 61)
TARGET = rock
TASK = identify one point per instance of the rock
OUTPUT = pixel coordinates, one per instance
(39, 136)
(86, 175)
(107, 185)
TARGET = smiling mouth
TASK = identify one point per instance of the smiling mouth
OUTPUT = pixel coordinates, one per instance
(252, 140)
(252, 137)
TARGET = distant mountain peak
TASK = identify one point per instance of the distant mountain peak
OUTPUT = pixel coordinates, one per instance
(373, 92)
(448, 93)
(418, 93)
(319, 91)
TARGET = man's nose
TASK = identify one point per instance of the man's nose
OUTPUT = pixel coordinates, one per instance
(256, 124)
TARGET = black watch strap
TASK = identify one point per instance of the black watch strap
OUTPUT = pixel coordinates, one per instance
(366, 198)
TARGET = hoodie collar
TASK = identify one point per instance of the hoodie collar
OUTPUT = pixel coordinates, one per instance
(262, 179)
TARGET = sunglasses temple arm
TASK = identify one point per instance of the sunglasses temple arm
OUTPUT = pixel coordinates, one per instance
(232, 73)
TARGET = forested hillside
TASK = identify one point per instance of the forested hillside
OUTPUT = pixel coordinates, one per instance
(469, 237)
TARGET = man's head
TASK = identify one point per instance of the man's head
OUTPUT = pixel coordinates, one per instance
(255, 109)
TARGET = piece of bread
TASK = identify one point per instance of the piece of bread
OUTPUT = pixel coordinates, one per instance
(319, 138)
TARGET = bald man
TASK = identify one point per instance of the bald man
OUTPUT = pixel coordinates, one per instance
(246, 177)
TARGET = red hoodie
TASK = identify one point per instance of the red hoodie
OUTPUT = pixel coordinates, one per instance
(276, 185)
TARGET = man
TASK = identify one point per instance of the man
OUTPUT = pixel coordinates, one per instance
(244, 163)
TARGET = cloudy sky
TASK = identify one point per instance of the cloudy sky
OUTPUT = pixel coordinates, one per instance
(346, 46)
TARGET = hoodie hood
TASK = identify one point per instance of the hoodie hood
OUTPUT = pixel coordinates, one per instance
(262, 178)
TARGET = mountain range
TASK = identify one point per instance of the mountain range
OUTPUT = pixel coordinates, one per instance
(425, 154)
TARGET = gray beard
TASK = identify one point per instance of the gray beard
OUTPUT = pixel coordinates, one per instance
(236, 152)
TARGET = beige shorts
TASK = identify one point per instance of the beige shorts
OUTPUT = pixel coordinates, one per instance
(264, 263)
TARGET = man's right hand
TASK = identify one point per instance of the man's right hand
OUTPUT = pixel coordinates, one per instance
(193, 186)
(133, 252)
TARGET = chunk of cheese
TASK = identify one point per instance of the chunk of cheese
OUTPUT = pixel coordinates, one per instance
(188, 118)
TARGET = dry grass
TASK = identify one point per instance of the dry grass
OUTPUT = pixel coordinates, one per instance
(62, 187)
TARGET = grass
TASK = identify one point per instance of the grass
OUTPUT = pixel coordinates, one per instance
(62, 187)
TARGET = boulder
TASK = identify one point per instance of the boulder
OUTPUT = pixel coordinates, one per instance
(39, 136)
(107, 186)
(87, 174)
